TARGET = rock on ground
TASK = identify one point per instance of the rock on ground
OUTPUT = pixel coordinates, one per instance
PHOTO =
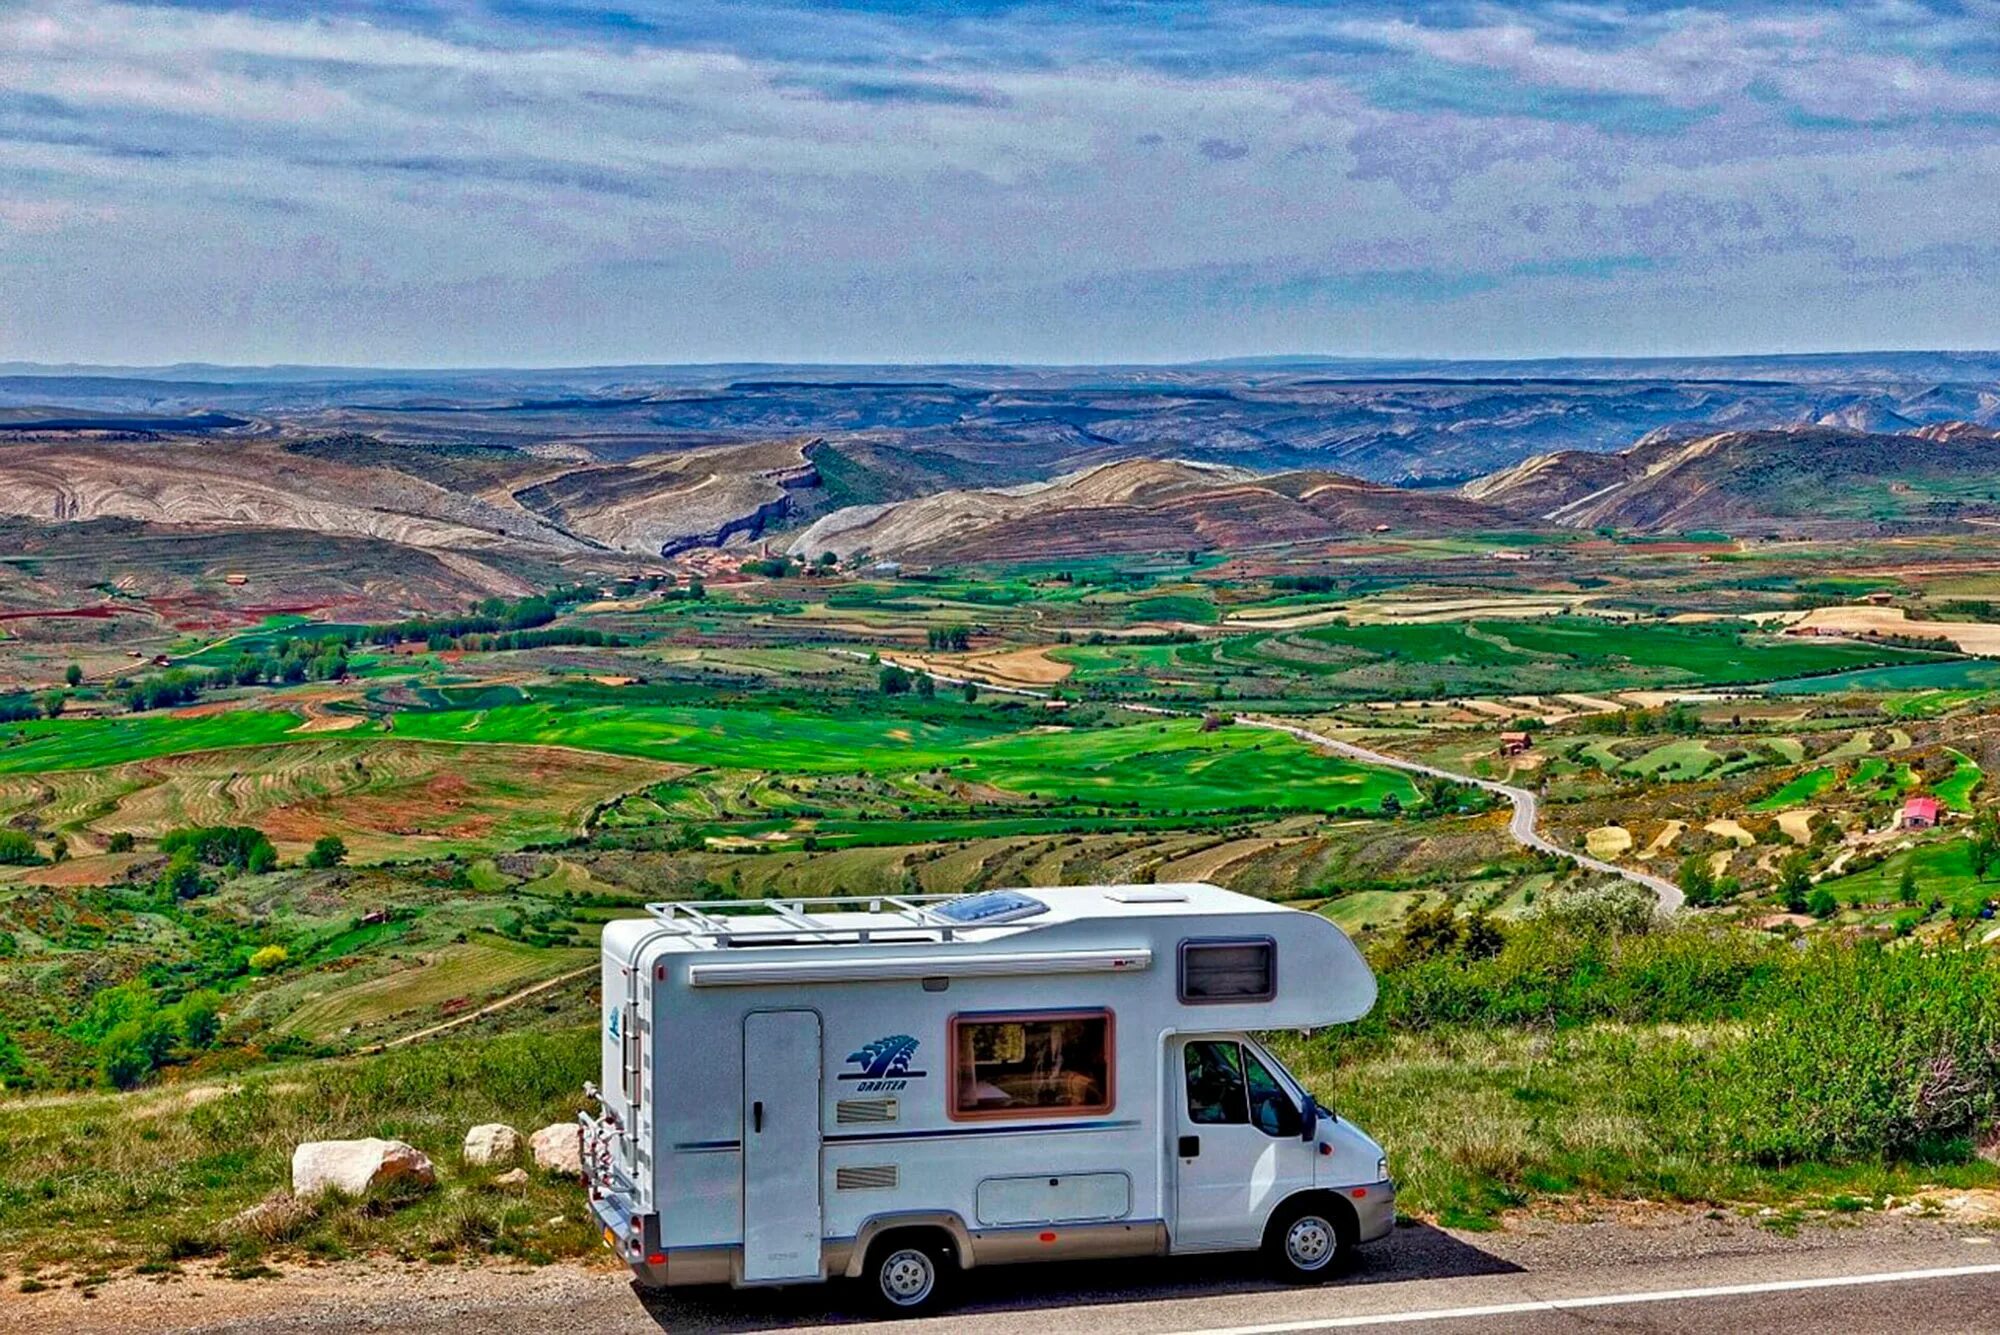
(558, 1148)
(353, 1166)
(492, 1143)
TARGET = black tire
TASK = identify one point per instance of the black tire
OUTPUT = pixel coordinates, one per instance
(910, 1274)
(1310, 1240)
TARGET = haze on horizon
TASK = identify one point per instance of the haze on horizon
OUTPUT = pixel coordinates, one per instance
(544, 183)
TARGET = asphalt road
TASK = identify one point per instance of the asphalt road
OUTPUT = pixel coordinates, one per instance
(1525, 827)
(1653, 1271)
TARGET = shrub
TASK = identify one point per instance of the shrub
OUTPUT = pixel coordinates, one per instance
(237, 847)
(269, 958)
(329, 850)
(17, 849)
(1864, 1052)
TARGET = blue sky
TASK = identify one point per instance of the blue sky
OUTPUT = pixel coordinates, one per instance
(441, 183)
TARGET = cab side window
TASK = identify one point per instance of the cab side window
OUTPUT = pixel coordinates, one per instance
(1271, 1108)
(1228, 1086)
(1215, 1089)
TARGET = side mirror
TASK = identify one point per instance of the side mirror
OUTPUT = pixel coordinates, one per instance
(1309, 1115)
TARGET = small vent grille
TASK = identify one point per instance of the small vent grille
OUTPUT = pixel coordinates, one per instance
(864, 1112)
(872, 1178)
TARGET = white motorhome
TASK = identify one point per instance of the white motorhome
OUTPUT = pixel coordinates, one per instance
(894, 1089)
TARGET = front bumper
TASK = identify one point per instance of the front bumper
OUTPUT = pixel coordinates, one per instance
(1374, 1206)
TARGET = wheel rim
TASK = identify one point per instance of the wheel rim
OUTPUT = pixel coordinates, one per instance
(908, 1275)
(1310, 1243)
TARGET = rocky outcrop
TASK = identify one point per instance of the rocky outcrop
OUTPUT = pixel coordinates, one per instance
(355, 1166)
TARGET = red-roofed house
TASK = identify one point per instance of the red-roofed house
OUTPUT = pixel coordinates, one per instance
(1920, 813)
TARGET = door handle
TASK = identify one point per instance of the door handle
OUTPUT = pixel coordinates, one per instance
(757, 1117)
(1190, 1147)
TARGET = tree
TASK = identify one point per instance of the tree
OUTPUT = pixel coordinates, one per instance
(73, 676)
(1426, 934)
(1906, 885)
(120, 842)
(969, 692)
(1795, 881)
(182, 878)
(893, 680)
(1821, 903)
(1985, 842)
(199, 1016)
(17, 849)
(1697, 880)
(53, 702)
(1391, 804)
(926, 688)
(329, 850)
(1481, 937)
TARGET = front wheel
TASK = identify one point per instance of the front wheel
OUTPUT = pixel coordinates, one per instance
(908, 1276)
(1307, 1244)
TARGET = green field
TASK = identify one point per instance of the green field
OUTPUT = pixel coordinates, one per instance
(1405, 661)
(1956, 791)
(1165, 765)
(1948, 674)
(52, 745)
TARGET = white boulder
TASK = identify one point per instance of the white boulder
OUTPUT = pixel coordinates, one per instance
(558, 1148)
(492, 1143)
(353, 1166)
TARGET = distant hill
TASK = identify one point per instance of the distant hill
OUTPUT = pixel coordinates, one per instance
(1137, 505)
(1386, 421)
(1797, 479)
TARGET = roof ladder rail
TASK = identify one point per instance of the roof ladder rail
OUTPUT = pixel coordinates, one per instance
(793, 913)
(921, 916)
(706, 923)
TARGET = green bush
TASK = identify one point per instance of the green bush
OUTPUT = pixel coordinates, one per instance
(1864, 1051)
(17, 849)
(329, 850)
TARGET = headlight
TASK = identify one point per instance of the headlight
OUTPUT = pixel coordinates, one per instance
(1382, 1169)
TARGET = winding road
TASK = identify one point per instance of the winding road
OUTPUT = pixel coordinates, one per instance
(1525, 827)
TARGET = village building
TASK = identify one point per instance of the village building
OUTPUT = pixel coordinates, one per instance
(1920, 813)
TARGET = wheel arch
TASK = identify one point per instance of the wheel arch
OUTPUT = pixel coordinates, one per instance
(1335, 1206)
(939, 1222)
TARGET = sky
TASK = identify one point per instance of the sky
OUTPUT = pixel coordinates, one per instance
(433, 183)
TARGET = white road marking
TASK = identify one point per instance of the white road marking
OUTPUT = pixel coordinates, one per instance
(1597, 1300)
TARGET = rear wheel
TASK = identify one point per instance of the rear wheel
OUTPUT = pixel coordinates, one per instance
(1308, 1243)
(909, 1274)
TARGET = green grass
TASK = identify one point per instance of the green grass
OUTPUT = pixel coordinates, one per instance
(159, 1176)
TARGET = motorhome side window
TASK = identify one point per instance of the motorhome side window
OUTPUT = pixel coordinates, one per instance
(1228, 1086)
(1047, 1064)
(1222, 971)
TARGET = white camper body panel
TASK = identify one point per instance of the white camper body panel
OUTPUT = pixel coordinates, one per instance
(705, 1168)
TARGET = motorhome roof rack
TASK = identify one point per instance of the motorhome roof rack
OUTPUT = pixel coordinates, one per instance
(723, 921)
